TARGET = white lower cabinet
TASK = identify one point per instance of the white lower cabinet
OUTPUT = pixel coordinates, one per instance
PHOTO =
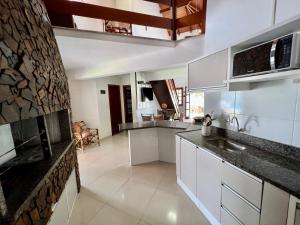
(227, 218)
(243, 183)
(241, 209)
(71, 187)
(178, 142)
(275, 206)
(294, 211)
(228, 195)
(188, 167)
(63, 208)
(61, 211)
(209, 181)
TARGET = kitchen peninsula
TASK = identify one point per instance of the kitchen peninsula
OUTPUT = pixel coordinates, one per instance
(154, 140)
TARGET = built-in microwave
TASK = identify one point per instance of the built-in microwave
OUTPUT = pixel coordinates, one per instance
(277, 55)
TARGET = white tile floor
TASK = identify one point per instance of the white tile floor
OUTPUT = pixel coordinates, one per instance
(114, 193)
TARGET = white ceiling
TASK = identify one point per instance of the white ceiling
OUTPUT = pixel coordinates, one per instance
(88, 55)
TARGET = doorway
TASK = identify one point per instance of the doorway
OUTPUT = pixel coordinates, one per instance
(127, 103)
(115, 107)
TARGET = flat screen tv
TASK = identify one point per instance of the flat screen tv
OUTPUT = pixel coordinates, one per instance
(147, 94)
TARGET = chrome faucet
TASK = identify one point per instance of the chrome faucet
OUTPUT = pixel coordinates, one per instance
(237, 123)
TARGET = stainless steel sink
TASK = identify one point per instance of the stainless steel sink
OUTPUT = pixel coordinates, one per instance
(226, 144)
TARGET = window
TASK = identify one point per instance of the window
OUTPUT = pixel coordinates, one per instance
(179, 92)
(187, 104)
(194, 104)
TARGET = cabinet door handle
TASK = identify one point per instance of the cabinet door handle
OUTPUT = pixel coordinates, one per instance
(231, 214)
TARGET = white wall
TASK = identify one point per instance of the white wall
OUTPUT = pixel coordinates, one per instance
(85, 23)
(89, 105)
(124, 4)
(84, 102)
(148, 8)
(270, 110)
(103, 101)
(180, 76)
(139, 6)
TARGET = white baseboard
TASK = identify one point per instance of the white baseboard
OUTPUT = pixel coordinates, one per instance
(200, 206)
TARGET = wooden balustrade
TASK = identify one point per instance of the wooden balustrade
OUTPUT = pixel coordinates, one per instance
(64, 7)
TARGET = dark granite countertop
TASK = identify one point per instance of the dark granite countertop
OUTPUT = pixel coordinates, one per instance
(159, 123)
(277, 169)
(21, 182)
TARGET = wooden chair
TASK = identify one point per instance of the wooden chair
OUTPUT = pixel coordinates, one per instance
(147, 117)
(158, 117)
(84, 135)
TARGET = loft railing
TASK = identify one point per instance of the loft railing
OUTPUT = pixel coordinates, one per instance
(64, 10)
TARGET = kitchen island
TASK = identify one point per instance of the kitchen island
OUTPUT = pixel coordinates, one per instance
(154, 140)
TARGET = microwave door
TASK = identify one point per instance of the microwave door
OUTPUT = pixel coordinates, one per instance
(297, 214)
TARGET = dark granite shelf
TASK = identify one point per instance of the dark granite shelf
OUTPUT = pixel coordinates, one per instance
(161, 124)
(20, 183)
(275, 163)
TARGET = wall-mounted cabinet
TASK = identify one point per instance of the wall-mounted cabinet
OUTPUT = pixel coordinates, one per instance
(286, 9)
(209, 72)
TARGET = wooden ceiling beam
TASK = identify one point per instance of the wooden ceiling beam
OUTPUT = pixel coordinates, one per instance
(180, 3)
(163, 2)
(106, 13)
(189, 20)
(165, 10)
(203, 18)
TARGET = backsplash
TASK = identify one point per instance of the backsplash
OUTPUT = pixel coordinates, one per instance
(270, 110)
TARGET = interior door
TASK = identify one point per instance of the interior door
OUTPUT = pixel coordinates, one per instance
(127, 103)
(115, 107)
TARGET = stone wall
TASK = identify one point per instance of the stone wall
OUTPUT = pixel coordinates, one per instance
(32, 77)
(38, 211)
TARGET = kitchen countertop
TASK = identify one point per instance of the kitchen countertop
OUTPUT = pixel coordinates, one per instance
(22, 182)
(161, 124)
(279, 170)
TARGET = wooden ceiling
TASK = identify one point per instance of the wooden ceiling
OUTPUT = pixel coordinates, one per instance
(186, 8)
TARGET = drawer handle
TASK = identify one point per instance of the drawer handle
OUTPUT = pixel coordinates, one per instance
(231, 214)
(241, 197)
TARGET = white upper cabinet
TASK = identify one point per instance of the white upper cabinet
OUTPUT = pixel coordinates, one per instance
(286, 9)
(188, 165)
(209, 182)
(229, 22)
(208, 72)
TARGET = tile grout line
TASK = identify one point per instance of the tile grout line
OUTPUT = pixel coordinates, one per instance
(148, 203)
